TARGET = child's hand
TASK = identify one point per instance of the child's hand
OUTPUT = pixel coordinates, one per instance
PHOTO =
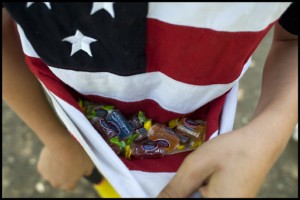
(65, 165)
(230, 165)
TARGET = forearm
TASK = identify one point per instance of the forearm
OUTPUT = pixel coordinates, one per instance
(276, 113)
(23, 93)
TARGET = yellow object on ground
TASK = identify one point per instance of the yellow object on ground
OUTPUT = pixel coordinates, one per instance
(105, 190)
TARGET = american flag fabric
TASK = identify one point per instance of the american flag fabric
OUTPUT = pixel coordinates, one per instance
(166, 59)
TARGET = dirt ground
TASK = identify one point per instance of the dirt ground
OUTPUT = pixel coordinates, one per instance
(20, 149)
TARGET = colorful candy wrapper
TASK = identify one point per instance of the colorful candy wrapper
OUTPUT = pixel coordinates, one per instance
(120, 123)
(135, 122)
(142, 135)
(121, 144)
(195, 130)
(104, 128)
(146, 149)
(146, 122)
(173, 123)
(138, 138)
(164, 137)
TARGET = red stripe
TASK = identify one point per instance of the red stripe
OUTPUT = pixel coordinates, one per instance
(198, 56)
(210, 113)
(169, 163)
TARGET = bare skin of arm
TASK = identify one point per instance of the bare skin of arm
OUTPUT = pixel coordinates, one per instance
(62, 161)
(236, 164)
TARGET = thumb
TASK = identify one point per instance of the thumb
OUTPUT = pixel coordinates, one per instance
(191, 175)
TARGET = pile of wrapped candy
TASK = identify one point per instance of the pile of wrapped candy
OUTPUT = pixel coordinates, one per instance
(138, 137)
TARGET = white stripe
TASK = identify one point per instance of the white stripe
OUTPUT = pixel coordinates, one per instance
(107, 162)
(154, 182)
(228, 112)
(26, 45)
(215, 134)
(170, 94)
(218, 16)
